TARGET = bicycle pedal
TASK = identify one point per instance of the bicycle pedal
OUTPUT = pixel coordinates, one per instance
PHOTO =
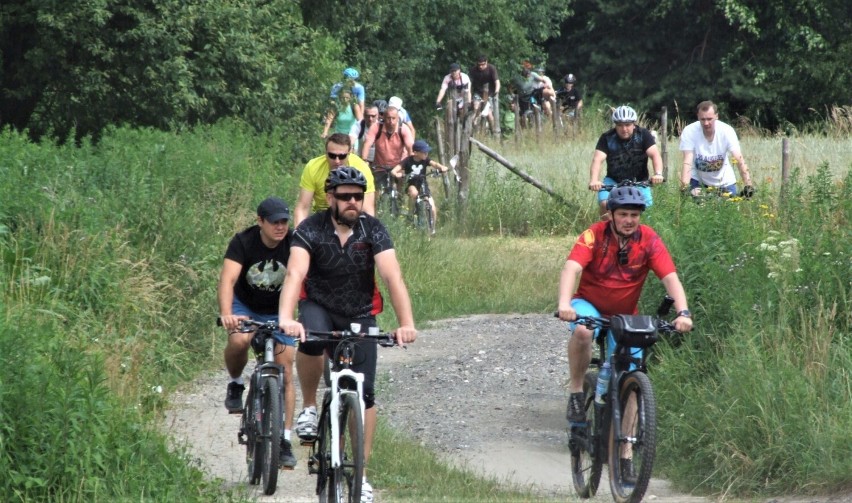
(235, 411)
(288, 468)
(307, 441)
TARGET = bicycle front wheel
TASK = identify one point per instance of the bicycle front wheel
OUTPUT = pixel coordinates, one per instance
(270, 434)
(586, 455)
(323, 445)
(250, 426)
(348, 476)
(633, 443)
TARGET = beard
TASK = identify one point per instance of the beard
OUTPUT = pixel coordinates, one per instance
(347, 218)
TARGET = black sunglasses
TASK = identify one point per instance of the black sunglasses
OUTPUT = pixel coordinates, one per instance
(339, 157)
(348, 196)
(622, 255)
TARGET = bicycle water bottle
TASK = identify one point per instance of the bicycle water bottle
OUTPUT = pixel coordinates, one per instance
(603, 383)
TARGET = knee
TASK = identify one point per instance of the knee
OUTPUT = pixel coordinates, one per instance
(582, 336)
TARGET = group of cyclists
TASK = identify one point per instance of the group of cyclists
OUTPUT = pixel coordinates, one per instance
(322, 263)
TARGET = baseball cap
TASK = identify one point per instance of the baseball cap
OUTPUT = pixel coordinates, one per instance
(395, 101)
(422, 146)
(273, 209)
(454, 67)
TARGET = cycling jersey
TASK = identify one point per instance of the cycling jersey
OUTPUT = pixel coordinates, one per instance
(316, 172)
(262, 275)
(342, 279)
(626, 159)
(611, 287)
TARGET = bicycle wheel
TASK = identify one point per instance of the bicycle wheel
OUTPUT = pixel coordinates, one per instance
(430, 219)
(445, 180)
(586, 458)
(323, 447)
(270, 434)
(326, 371)
(420, 219)
(349, 475)
(629, 481)
(249, 425)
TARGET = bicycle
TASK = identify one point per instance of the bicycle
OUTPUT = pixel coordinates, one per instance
(387, 194)
(263, 415)
(424, 210)
(336, 456)
(628, 449)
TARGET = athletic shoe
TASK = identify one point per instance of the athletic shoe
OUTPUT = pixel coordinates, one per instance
(234, 397)
(577, 408)
(286, 459)
(306, 424)
(366, 492)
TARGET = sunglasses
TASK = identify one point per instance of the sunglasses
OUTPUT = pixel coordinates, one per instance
(622, 255)
(339, 157)
(348, 196)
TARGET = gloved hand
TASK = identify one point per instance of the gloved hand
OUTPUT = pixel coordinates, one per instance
(748, 191)
(438, 106)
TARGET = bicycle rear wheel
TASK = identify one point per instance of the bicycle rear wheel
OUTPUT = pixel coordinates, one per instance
(586, 458)
(629, 480)
(270, 435)
(254, 449)
(349, 475)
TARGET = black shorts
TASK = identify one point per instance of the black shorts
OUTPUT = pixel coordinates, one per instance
(315, 317)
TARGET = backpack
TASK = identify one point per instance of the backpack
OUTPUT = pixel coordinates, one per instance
(381, 125)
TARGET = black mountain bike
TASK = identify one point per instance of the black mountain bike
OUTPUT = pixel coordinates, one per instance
(337, 454)
(387, 196)
(621, 432)
(263, 414)
(424, 218)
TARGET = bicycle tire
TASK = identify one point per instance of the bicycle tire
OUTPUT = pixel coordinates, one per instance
(430, 219)
(326, 371)
(272, 420)
(641, 426)
(445, 179)
(394, 203)
(349, 475)
(253, 448)
(323, 452)
(420, 219)
(587, 458)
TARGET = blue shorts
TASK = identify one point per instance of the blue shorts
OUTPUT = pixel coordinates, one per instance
(603, 195)
(731, 189)
(585, 308)
(240, 309)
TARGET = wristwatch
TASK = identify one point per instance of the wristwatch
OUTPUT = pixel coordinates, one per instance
(685, 313)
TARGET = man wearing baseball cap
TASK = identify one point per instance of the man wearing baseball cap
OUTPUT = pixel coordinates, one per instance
(249, 287)
(458, 82)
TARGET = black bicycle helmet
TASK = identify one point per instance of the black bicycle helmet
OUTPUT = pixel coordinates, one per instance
(625, 197)
(345, 175)
(382, 105)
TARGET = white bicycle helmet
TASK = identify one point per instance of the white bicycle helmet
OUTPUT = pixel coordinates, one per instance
(624, 114)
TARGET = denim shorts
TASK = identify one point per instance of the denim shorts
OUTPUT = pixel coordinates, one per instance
(240, 309)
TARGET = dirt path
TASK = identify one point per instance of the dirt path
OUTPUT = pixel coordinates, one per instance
(484, 391)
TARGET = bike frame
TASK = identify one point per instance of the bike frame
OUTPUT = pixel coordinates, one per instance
(336, 393)
(266, 368)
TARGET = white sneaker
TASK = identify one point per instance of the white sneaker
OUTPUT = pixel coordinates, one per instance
(306, 424)
(366, 492)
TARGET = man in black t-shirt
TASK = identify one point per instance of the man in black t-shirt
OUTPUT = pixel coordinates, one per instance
(485, 84)
(332, 275)
(249, 287)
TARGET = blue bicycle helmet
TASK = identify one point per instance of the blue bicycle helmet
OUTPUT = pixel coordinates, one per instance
(345, 175)
(351, 73)
(625, 197)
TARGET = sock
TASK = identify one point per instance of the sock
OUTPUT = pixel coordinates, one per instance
(287, 435)
(238, 380)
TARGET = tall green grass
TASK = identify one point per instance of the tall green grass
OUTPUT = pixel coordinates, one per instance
(111, 253)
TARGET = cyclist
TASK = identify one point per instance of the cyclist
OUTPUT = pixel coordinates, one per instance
(458, 83)
(614, 258)
(706, 145)
(404, 116)
(529, 85)
(626, 148)
(359, 129)
(249, 287)
(570, 97)
(341, 115)
(332, 274)
(416, 166)
(548, 93)
(350, 77)
(312, 183)
(392, 140)
(486, 89)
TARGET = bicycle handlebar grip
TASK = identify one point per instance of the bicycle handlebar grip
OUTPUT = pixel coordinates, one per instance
(218, 321)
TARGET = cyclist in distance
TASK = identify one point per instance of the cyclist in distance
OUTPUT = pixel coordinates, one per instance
(350, 77)
(249, 287)
(404, 116)
(529, 85)
(359, 129)
(391, 141)
(614, 258)
(341, 115)
(458, 83)
(570, 96)
(416, 166)
(486, 85)
(707, 146)
(312, 183)
(334, 258)
(626, 148)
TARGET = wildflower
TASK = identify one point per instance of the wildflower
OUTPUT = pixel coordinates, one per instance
(772, 274)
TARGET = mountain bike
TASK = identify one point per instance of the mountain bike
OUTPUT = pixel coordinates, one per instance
(263, 414)
(387, 196)
(336, 456)
(620, 429)
(424, 212)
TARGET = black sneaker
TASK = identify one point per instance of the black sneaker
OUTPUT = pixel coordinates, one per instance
(577, 408)
(628, 476)
(234, 397)
(286, 459)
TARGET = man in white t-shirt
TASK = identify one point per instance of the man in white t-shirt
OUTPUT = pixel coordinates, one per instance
(707, 146)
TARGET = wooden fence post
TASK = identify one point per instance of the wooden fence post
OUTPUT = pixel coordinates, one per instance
(442, 152)
(785, 161)
(664, 135)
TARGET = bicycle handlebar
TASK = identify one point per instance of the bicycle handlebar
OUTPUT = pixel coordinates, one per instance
(625, 183)
(384, 339)
(249, 325)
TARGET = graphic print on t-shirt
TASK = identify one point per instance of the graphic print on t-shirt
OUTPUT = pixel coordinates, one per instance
(267, 275)
(709, 163)
(418, 169)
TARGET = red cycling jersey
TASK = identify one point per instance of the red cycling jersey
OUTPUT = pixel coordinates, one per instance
(611, 287)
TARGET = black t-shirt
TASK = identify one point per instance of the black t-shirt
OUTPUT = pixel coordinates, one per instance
(342, 279)
(568, 98)
(626, 159)
(478, 78)
(263, 269)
